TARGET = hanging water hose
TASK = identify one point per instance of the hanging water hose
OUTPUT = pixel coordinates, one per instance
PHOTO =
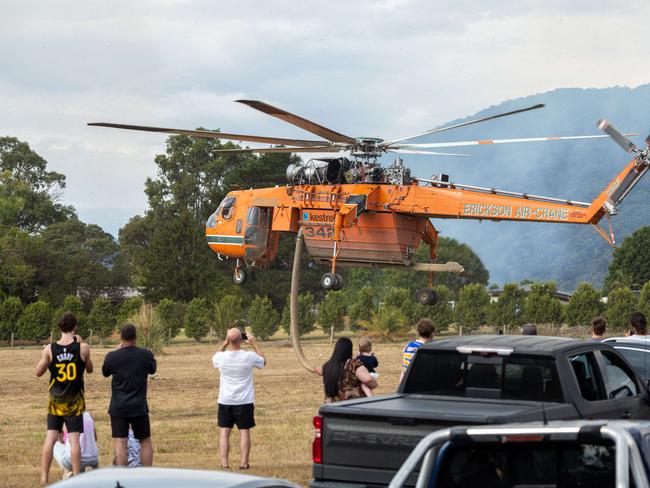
(293, 304)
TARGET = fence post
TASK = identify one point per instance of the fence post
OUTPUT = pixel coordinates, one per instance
(331, 334)
(51, 337)
(460, 330)
(12, 340)
(90, 338)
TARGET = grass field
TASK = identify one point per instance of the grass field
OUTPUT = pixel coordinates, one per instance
(183, 410)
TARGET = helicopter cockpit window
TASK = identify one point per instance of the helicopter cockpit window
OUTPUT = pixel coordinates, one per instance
(252, 216)
(226, 208)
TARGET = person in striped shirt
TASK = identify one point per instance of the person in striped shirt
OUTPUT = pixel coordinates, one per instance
(425, 330)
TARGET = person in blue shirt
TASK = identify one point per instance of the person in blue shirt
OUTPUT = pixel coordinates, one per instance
(425, 330)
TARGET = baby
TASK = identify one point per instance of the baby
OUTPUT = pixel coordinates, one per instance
(367, 357)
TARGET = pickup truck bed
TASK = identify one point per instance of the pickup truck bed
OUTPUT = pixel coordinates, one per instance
(365, 441)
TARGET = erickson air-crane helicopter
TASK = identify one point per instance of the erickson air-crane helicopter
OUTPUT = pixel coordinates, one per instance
(354, 212)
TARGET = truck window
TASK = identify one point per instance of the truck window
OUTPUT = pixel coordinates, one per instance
(584, 370)
(515, 377)
(619, 383)
(558, 464)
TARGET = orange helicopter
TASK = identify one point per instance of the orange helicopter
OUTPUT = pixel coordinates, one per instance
(352, 211)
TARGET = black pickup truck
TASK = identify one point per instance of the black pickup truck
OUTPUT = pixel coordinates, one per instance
(472, 380)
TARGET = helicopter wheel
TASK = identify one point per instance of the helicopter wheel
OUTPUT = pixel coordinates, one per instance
(328, 281)
(239, 276)
(339, 282)
(426, 296)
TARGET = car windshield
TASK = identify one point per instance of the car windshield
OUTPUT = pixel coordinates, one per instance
(527, 464)
(516, 377)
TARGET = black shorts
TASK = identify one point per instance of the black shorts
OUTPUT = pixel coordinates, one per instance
(140, 426)
(241, 415)
(72, 424)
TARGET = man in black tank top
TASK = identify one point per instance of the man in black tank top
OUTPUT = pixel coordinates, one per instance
(66, 360)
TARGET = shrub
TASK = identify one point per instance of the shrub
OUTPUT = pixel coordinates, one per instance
(584, 305)
(471, 309)
(305, 315)
(227, 312)
(151, 332)
(540, 306)
(101, 319)
(331, 312)
(34, 323)
(197, 319)
(171, 314)
(389, 321)
(128, 309)
(621, 303)
(263, 318)
(441, 313)
(360, 312)
(10, 310)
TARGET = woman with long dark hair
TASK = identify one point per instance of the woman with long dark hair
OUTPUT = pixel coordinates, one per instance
(343, 375)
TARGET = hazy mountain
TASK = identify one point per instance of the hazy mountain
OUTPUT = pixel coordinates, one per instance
(578, 170)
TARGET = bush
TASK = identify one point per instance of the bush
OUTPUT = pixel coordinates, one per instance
(305, 315)
(171, 314)
(151, 332)
(389, 321)
(263, 318)
(228, 312)
(360, 312)
(331, 312)
(584, 305)
(10, 310)
(34, 323)
(621, 303)
(101, 319)
(402, 299)
(197, 319)
(644, 300)
(540, 306)
(507, 310)
(471, 309)
(128, 309)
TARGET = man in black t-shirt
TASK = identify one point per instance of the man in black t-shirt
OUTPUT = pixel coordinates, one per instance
(130, 366)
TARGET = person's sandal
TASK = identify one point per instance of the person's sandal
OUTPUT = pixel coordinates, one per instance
(226, 468)
(247, 466)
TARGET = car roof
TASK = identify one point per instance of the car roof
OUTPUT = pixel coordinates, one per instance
(168, 478)
(643, 341)
(520, 344)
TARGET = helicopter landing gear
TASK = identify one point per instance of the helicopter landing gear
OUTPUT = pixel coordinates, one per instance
(238, 275)
(426, 296)
(331, 281)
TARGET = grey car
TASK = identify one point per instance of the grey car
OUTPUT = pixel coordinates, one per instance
(169, 478)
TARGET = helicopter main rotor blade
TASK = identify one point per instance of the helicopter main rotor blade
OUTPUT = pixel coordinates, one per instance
(418, 151)
(283, 150)
(209, 134)
(476, 121)
(498, 141)
(301, 122)
(627, 145)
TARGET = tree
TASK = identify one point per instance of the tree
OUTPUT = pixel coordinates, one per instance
(361, 310)
(630, 264)
(101, 319)
(331, 312)
(541, 306)
(34, 323)
(171, 315)
(621, 303)
(263, 318)
(33, 191)
(389, 321)
(644, 299)
(228, 312)
(197, 319)
(471, 308)
(507, 310)
(305, 315)
(584, 305)
(10, 310)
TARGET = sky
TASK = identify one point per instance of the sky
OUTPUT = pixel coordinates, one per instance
(387, 68)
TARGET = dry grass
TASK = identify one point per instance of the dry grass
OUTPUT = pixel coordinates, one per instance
(183, 410)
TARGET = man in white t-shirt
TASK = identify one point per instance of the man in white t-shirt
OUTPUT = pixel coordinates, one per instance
(236, 392)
